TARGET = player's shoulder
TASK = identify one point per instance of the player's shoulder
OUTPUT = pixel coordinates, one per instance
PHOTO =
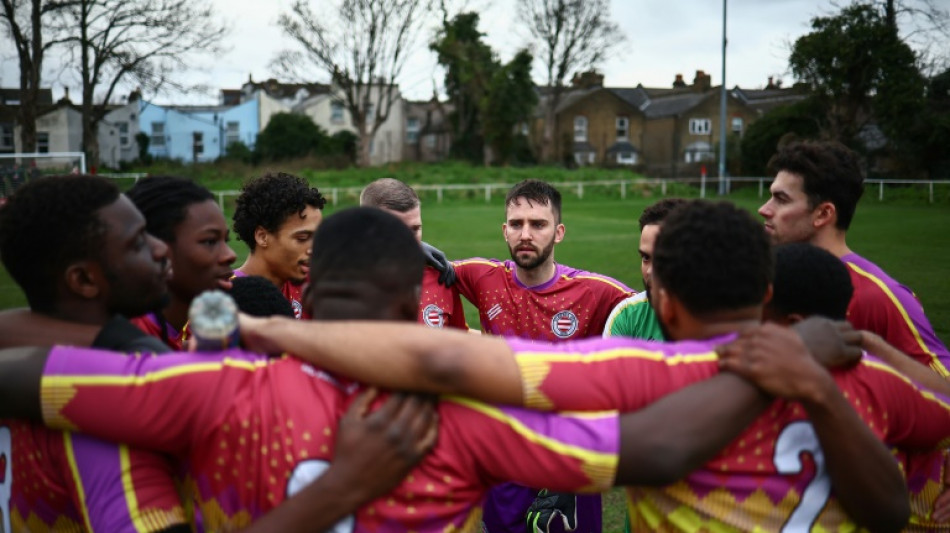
(591, 279)
(479, 263)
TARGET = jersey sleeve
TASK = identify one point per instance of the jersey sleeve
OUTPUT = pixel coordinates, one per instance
(120, 489)
(158, 403)
(616, 373)
(566, 452)
(467, 274)
(894, 313)
(923, 422)
(619, 321)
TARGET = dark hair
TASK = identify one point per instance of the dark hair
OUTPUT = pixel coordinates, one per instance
(47, 225)
(366, 243)
(389, 193)
(657, 212)
(164, 201)
(830, 172)
(713, 257)
(267, 202)
(810, 281)
(257, 296)
(539, 192)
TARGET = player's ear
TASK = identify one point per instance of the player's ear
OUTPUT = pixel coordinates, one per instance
(665, 310)
(769, 292)
(824, 214)
(559, 233)
(260, 237)
(85, 279)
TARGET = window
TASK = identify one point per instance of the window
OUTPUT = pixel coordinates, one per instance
(232, 133)
(198, 143)
(123, 133)
(6, 135)
(584, 158)
(42, 142)
(623, 128)
(336, 113)
(698, 152)
(737, 124)
(700, 126)
(580, 129)
(412, 130)
(158, 134)
(370, 113)
(627, 158)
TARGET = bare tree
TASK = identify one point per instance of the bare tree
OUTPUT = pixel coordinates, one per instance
(569, 36)
(141, 42)
(363, 45)
(23, 21)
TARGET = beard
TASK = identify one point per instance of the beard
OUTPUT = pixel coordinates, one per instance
(530, 263)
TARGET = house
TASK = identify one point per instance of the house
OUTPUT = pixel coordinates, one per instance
(58, 128)
(9, 107)
(197, 133)
(427, 136)
(117, 133)
(272, 96)
(670, 131)
(329, 111)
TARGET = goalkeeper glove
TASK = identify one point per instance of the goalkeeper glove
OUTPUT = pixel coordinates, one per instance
(437, 260)
(548, 506)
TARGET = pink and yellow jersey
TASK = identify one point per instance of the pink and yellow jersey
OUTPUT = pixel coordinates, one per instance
(253, 430)
(574, 304)
(773, 475)
(440, 306)
(60, 481)
(292, 291)
(884, 306)
(152, 326)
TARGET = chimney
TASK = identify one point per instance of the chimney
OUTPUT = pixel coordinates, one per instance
(588, 80)
(135, 95)
(65, 99)
(771, 84)
(702, 82)
(678, 83)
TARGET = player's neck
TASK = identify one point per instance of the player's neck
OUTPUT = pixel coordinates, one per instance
(81, 312)
(832, 240)
(176, 312)
(255, 265)
(538, 275)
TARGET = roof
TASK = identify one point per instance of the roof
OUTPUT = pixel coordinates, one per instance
(636, 96)
(280, 90)
(668, 106)
(45, 96)
(622, 146)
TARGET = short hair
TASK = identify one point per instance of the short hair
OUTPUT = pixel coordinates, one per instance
(367, 244)
(258, 296)
(539, 192)
(810, 281)
(713, 257)
(830, 172)
(267, 201)
(389, 193)
(47, 225)
(164, 201)
(657, 212)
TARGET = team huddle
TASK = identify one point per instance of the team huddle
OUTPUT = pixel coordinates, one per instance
(768, 378)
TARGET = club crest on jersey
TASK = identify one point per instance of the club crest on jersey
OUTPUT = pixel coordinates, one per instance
(298, 308)
(433, 316)
(564, 324)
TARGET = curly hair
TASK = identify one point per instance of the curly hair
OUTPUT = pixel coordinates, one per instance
(49, 224)
(713, 257)
(164, 201)
(267, 202)
(257, 296)
(539, 192)
(830, 172)
(657, 212)
(810, 281)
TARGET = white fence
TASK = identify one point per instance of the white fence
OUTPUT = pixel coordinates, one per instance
(488, 190)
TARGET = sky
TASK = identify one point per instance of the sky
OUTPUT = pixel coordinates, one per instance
(662, 38)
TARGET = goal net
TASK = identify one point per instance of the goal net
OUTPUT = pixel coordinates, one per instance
(17, 169)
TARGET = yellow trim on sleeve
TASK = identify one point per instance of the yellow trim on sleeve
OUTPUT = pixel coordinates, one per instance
(77, 480)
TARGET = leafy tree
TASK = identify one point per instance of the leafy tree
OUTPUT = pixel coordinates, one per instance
(509, 103)
(764, 136)
(143, 141)
(238, 151)
(288, 136)
(346, 143)
(469, 69)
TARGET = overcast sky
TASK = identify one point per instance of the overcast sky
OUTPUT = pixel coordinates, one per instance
(663, 38)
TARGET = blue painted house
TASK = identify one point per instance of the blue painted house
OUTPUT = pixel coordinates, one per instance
(198, 133)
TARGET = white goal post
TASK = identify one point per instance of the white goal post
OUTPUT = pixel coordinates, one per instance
(18, 168)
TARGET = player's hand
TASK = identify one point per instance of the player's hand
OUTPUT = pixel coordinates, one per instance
(549, 506)
(375, 451)
(832, 343)
(437, 260)
(777, 360)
